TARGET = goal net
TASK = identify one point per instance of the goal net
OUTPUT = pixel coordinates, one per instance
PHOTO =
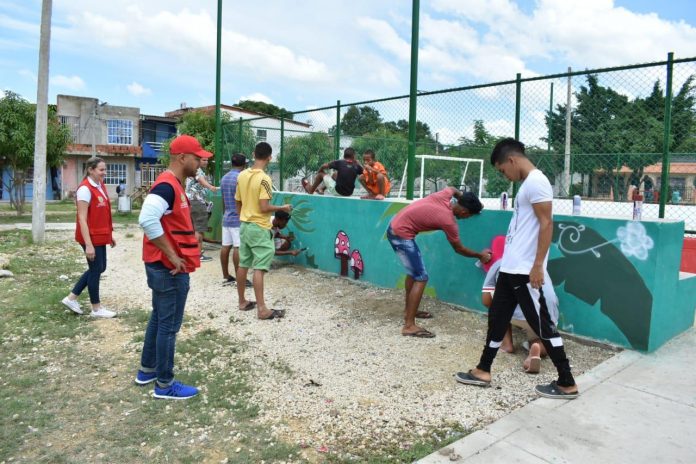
(436, 172)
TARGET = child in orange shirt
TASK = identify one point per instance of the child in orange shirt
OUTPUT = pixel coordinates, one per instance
(374, 177)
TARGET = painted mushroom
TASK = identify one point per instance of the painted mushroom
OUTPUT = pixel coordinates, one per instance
(342, 251)
(356, 264)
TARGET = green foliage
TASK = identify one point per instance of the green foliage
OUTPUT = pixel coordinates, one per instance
(305, 154)
(17, 134)
(265, 108)
(360, 121)
(201, 124)
(605, 122)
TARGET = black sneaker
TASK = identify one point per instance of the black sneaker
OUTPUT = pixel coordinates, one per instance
(205, 258)
(552, 391)
(229, 281)
(249, 284)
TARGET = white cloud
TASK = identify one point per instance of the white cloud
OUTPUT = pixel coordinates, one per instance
(257, 96)
(138, 90)
(28, 74)
(179, 36)
(68, 82)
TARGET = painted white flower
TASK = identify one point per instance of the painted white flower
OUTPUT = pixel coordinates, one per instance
(634, 240)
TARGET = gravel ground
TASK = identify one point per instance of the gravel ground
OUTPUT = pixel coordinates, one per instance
(335, 373)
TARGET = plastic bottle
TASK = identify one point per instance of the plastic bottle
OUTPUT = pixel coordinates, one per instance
(577, 203)
(504, 201)
(638, 208)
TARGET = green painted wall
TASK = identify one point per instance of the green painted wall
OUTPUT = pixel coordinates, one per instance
(616, 280)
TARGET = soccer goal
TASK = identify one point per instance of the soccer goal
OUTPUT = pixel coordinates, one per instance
(465, 171)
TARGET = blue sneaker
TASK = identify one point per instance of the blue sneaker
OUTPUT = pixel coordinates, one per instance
(176, 391)
(143, 378)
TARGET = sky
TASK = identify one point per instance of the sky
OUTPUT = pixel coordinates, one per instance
(158, 54)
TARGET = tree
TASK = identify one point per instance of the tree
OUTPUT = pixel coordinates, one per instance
(480, 147)
(304, 155)
(610, 131)
(265, 108)
(359, 121)
(201, 125)
(17, 128)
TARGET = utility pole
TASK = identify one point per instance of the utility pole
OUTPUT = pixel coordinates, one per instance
(38, 212)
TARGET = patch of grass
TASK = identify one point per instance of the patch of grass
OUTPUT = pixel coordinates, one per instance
(67, 381)
(438, 439)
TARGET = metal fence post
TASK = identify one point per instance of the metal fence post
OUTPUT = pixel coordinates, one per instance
(239, 142)
(413, 102)
(548, 141)
(280, 158)
(664, 187)
(518, 101)
(337, 134)
(567, 171)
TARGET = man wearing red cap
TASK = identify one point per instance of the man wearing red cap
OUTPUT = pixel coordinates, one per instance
(170, 252)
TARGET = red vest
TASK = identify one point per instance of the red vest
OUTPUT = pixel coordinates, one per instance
(178, 229)
(98, 216)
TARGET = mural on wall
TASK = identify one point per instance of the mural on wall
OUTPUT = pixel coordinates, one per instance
(300, 213)
(356, 264)
(593, 268)
(342, 251)
(347, 257)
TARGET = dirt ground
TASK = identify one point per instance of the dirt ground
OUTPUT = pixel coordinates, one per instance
(335, 373)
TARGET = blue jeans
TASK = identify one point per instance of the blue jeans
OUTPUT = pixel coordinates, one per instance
(90, 278)
(169, 294)
(408, 252)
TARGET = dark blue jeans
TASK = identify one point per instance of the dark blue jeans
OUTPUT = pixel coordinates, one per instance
(169, 294)
(90, 278)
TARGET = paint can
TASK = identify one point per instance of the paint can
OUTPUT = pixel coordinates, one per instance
(577, 204)
(638, 208)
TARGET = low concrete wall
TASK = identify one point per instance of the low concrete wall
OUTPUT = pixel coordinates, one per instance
(617, 280)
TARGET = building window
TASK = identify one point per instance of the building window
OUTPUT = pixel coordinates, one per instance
(114, 173)
(261, 135)
(73, 123)
(119, 132)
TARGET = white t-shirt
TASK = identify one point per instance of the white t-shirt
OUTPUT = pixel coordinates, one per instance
(547, 289)
(523, 232)
(84, 194)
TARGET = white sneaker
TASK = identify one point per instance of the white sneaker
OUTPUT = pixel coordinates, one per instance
(72, 305)
(103, 312)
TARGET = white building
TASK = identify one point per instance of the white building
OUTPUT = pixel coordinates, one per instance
(266, 128)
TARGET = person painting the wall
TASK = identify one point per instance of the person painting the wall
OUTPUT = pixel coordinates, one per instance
(437, 211)
(171, 253)
(522, 272)
(374, 177)
(282, 242)
(341, 182)
(93, 231)
(536, 350)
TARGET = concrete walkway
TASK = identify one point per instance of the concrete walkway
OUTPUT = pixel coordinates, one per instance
(633, 408)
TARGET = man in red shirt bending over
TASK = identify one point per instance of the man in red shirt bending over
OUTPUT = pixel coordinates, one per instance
(438, 211)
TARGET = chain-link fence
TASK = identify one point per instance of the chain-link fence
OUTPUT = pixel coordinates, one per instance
(601, 134)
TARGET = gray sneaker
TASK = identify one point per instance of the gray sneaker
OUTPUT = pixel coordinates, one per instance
(72, 305)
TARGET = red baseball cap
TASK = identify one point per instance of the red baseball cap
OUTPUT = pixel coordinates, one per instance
(184, 144)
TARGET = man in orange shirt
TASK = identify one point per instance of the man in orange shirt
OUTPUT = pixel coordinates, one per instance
(374, 177)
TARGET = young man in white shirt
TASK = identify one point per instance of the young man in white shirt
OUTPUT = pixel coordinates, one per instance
(522, 272)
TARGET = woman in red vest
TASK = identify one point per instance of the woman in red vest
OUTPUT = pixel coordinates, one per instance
(93, 231)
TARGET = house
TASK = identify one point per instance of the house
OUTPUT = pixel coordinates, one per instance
(99, 129)
(266, 128)
(682, 179)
